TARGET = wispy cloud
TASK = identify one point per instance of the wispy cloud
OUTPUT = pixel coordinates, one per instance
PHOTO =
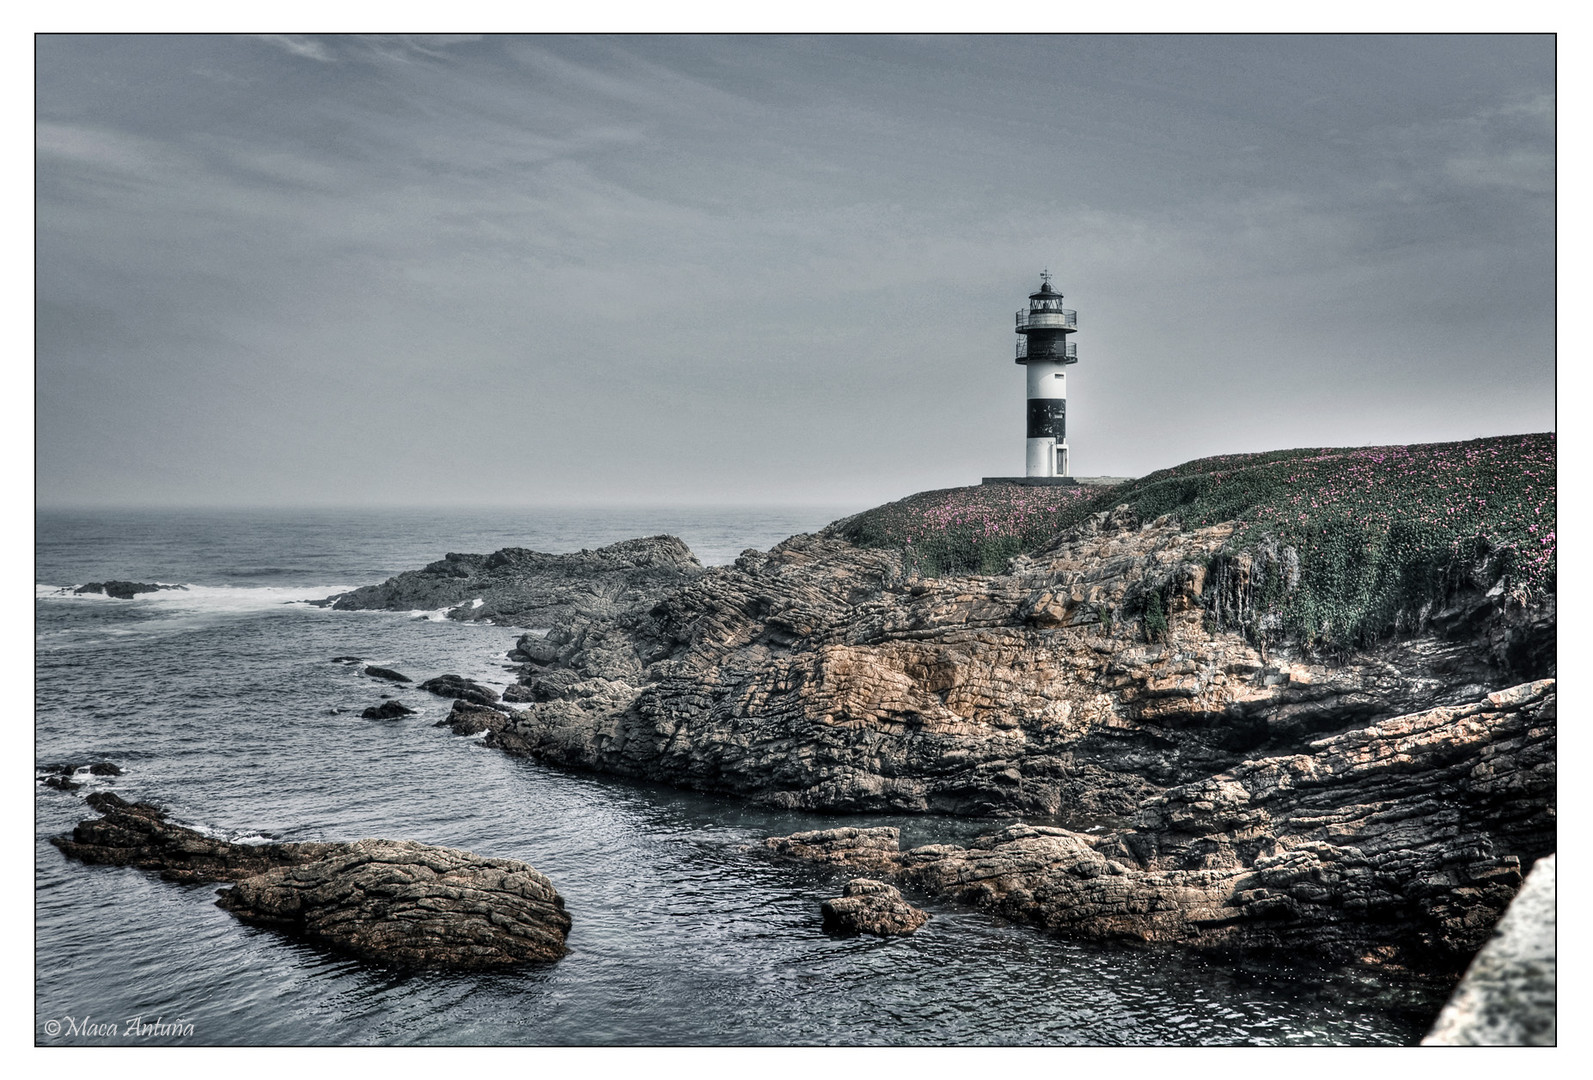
(299, 45)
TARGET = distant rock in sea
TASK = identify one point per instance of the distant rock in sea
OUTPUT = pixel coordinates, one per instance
(387, 710)
(457, 686)
(122, 590)
(521, 587)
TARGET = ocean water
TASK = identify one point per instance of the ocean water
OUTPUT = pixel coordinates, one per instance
(221, 703)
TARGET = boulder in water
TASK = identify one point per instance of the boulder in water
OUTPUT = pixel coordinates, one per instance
(387, 710)
(389, 901)
(122, 590)
(866, 906)
(457, 686)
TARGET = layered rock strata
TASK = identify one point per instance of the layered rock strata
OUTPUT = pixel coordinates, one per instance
(396, 902)
(521, 587)
(1398, 842)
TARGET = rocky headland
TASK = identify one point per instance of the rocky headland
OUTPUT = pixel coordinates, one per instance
(1296, 700)
(521, 587)
(395, 902)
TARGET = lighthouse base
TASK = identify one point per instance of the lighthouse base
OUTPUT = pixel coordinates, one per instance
(1032, 481)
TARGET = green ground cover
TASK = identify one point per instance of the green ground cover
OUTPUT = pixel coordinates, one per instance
(1380, 535)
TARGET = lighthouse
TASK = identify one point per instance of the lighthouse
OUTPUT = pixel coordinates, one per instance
(1045, 352)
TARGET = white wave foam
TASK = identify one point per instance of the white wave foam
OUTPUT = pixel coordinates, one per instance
(204, 597)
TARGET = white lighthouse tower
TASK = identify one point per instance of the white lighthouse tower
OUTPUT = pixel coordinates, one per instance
(1044, 350)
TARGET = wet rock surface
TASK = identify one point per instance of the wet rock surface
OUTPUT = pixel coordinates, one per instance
(521, 587)
(138, 834)
(872, 907)
(457, 686)
(388, 901)
(387, 710)
(122, 590)
(386, 673)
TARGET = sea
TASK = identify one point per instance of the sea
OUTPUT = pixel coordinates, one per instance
(220, 701)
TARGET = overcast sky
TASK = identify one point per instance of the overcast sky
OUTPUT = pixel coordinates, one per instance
(780, 270)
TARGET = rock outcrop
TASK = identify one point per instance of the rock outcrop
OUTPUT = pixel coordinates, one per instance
(866, 906)
(386, 673)
(817, 677)
(461, 688)
(60, 776)
(1399, 842)
(521, 587)
(395, 902)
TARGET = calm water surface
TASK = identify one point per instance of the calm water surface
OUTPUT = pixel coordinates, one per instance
(222, 705)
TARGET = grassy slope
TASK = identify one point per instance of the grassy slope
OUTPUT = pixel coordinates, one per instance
(1380, 532)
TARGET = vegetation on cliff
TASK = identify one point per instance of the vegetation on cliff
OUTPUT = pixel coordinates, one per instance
(969, 530)
(1332, 547)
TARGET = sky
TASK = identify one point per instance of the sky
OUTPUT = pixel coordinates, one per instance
(296, 270)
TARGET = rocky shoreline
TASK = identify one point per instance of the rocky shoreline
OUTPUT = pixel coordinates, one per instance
(1379, 806)
(1385, 844)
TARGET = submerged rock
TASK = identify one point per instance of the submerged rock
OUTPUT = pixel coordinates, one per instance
(389, 901)
(386, 673)
(871, 907)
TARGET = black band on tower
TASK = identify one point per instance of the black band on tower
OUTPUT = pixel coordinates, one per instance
(1048, 418)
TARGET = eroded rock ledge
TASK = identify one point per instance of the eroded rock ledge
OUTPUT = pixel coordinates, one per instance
(390, 901)
(1399, 842)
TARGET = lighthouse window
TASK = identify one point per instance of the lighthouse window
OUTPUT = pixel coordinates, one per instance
(1059, 375)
